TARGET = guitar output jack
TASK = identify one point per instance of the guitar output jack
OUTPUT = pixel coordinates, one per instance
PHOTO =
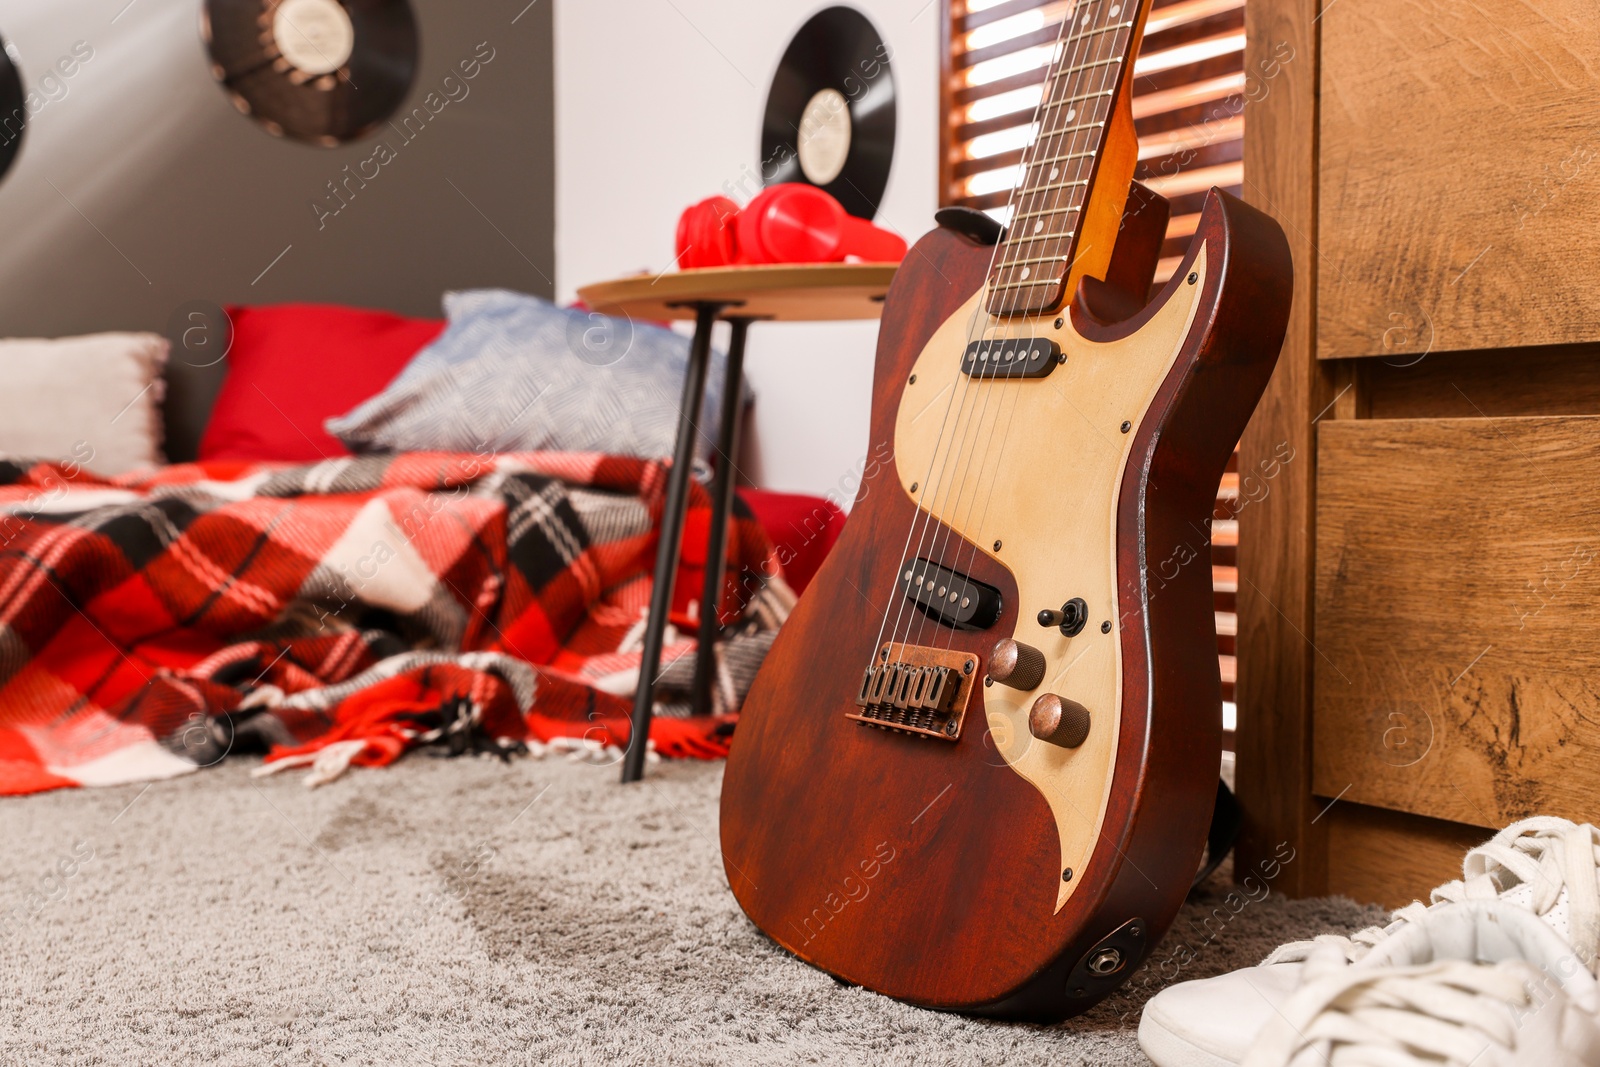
(1099, 970)
(1106, 961)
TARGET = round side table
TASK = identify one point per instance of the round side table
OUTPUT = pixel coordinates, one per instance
(807, 292)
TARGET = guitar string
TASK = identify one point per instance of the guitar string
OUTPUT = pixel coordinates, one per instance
(923, 517)
(1117, 44)
(926, 481)
(1068, 62)
(957, 392)
(1001, 416)
(1048, 139)
(1096, 35)
(1031, 202)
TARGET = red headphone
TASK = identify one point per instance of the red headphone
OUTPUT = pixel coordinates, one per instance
(787, 223)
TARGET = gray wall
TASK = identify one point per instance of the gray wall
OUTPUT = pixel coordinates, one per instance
(140, 188)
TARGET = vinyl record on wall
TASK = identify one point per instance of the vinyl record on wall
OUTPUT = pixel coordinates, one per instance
(13, 107)
(324, 71)
(830, 113)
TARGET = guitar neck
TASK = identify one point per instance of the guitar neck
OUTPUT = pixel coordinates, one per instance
(1088, 76)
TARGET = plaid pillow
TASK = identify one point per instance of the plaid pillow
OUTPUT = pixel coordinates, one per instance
(514, 373)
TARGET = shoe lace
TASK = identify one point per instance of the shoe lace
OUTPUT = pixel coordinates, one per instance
(1546, 854)
(1449, 1012)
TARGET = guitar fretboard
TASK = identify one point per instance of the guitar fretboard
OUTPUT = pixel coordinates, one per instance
(1034, 259)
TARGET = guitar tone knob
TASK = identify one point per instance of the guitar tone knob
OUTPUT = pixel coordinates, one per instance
(1059, 721)
(1015, 664)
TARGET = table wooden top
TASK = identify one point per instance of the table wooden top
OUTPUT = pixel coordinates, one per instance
(788, 292)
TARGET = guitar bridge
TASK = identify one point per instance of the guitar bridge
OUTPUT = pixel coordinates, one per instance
(914, 689)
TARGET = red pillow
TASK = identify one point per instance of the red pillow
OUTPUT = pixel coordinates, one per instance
(802, 528)
(292, 366)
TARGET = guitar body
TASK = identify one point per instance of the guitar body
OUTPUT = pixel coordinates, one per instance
(979, 868)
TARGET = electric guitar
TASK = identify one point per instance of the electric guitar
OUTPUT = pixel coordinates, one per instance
(976, 770)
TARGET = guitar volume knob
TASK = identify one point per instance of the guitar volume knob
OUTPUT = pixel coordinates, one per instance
(1059, 721)
(1015, 664)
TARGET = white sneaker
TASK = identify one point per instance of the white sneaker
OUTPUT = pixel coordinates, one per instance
(1549, 867)
(1482, 983)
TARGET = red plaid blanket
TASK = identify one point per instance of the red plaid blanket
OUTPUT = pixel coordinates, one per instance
(347, 611)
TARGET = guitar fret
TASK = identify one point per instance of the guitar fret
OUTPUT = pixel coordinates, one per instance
(1071, 129)
(1040, 237)
(1071, 99)
(1091, 33)
(1028, 284)
(1091, 66)
(1032, 259)
(1046, 211)
(1063, 208)
(1026, 189)
(1064, 158)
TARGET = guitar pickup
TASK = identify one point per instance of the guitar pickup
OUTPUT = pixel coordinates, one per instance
(949, 597)
(1010, 357)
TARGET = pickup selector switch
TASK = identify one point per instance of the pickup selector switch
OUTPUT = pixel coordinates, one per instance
(1059, 721)
(1015, 664)
(1070, 619)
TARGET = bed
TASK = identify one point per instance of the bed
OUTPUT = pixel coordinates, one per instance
(345, 610)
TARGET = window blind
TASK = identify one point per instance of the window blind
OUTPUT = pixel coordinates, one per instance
(1188, 110)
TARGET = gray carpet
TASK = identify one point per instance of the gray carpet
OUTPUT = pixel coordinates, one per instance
(464, 912)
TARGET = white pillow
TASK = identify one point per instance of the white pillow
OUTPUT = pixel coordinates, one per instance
(94, 401)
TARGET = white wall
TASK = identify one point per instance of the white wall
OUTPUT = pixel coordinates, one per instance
(658, 104)
(139, 188)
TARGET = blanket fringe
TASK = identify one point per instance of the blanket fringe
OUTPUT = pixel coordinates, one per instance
(327, 763)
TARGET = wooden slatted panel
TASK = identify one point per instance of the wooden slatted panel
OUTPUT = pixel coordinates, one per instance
(1225, 572)
(1188, 109)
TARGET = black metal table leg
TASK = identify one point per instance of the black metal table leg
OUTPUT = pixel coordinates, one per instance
(694, 387)
(705, 663)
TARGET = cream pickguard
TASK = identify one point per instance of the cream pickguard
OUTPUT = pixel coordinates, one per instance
(1036, 465)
